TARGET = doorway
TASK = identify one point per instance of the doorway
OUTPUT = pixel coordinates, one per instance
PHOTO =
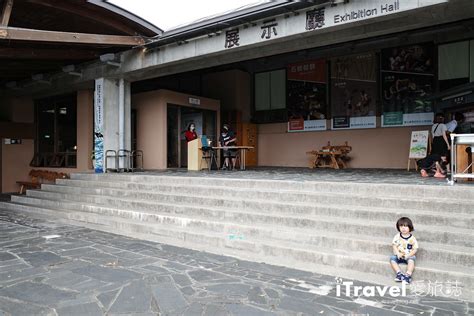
(178, 120)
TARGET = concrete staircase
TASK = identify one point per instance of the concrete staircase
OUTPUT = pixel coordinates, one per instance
(335, 228)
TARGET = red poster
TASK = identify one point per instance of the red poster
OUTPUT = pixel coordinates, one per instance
(311, 70)
(296, 124)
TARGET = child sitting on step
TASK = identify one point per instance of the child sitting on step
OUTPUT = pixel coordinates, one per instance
(404, 249)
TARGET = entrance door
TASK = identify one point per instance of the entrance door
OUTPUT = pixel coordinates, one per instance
(178, 119)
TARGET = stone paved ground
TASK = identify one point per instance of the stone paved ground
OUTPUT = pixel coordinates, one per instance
(53, 269)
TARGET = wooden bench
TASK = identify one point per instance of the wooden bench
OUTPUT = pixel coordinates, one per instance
(330, 156)
(40, 176)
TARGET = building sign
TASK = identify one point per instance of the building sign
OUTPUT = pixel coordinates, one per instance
(99, 125)
(418, 144)
(268, 28)
(307, 95)
(300, 125)
(194, 101)
(394, 119)
(232, 38)
(315, 19)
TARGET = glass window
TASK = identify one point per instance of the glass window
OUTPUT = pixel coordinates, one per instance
(278, 90)
(262, 89)
(56, 137)
(270, 90)
(453, 64)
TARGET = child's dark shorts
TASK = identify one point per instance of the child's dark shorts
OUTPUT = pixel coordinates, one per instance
(395, 259)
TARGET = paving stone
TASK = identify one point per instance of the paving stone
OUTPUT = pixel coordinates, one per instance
(10, 307)
(305, 307)
(134, 298)
(215, 310)
(204, 275)
(37, 293)
(168, 298)
(272, 293)
(24, 274)
(5, 256)
(156, 269)
(107, 274)
(240, 309)
(89, 309)
(188, 291)
(194, 309)
(106, 298)
(257, 296)
(66, 280)
(230, 289)
(43, 258)
(459, 307)
(370, 310)
(181, 279)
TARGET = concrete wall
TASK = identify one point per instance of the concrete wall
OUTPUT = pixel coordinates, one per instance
(16, 158)
(371, 148)
(232, 88)
(151, 110)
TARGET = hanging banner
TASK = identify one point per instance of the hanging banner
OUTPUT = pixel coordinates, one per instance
(353, 91)
(418, 144)
(407, 83)
(307, 105)
(99, 125)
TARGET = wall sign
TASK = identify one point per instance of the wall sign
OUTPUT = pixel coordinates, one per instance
(194, 101)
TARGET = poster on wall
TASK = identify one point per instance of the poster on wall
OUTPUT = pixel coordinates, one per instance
(99, 126)
(418, 144)
(407, 80)
(354, 91)
(307, 96)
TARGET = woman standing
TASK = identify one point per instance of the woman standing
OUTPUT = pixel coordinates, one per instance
(440, 144)
(190, 133)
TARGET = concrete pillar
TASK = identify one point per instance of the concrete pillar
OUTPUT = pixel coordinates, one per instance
(115, 114)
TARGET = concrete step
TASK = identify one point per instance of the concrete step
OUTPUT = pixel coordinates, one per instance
(433, 203)
(294, 254)
(379, 189)
(302, 209)
(261, 227)
(458, 236)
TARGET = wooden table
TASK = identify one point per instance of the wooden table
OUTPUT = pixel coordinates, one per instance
(243, 150)
(330, 159)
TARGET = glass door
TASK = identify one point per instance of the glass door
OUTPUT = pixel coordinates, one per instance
(173, 139)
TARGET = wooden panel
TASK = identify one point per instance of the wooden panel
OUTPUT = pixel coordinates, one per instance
(249, 138)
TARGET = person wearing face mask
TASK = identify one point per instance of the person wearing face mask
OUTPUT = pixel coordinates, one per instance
(227, 139)
(190, 133)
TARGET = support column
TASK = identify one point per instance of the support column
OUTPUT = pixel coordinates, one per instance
(112, 120)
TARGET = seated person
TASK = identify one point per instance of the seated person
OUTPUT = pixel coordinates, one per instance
(227, 139)
(433, 165)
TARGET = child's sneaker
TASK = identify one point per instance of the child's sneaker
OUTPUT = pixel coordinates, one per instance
(406, 279)
(399, 277)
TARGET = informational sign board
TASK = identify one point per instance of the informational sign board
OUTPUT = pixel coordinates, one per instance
(418, 144)
(99, 125)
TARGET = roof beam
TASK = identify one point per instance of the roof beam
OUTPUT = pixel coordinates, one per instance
(31, 35)
(6, 12)
(47, 54)
(80, 9)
